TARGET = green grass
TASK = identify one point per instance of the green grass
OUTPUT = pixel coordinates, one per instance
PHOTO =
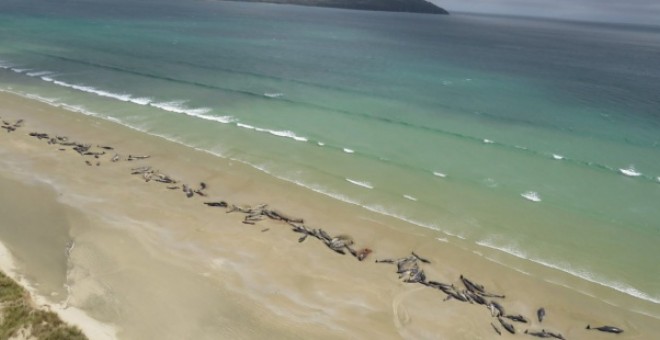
(17, 312)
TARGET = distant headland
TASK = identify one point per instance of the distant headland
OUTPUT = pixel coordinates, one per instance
(413, 6)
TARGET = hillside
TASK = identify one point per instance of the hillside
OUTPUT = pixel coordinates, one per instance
(414, 6)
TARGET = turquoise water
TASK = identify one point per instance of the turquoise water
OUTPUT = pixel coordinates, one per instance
(536, 138)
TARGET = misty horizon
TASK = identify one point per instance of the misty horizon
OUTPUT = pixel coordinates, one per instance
(643, 12)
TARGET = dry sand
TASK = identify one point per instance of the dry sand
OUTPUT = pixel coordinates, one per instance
(144, 262)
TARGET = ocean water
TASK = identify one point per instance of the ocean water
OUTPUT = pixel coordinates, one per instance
(536, 141)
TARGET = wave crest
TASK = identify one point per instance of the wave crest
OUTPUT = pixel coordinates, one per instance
(571, 270)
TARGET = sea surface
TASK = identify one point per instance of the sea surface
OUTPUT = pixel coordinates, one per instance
(533, 142)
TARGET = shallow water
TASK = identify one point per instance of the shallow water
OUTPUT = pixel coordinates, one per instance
(538, 139)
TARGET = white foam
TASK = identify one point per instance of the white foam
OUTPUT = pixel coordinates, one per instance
(381, 210)
(55, 102)
(630, 171)
(79, 109)
(273, 95)
(20, 70)
(491, 182)
(141, 101)
(93, 90)
(171, 106)
(557, 157)
(442, 239)
(359, 183)
(178, 107)
(506, 265)
(219, 119)
(488, 141)
(324, 191)
(315, 188)
(532, 196)
(250, 127)
(287, 134)
(658, 178)
(38, 73)
(577, 272)
(410, 198)
(346, 150)
(113, 119)
(278, 133)
(439, 174)
(320, 143)
(34, 97)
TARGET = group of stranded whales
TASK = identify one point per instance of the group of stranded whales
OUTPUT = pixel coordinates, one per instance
(11, 127)
(408, 268)
(410, 271)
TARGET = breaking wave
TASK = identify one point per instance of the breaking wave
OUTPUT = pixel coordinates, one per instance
(630, 171)
(277, 133)
(360, 183)
(573, 271)
(531, 196)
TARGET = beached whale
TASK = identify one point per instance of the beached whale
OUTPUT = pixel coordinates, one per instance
(415, 276)
(476, 298)
(471, 286)
(556, 335)
(189, 193)
(385, 261)
(164, 179)
(363, 253)
(220, 204)
(540, 313)
(541, 334)
(324, 235)
(131, 157)
(497, 330)
(38, 135)
(509, 327)
(420, 258)
(517, 318)
(607, 329)
(498, 307)
(276, 215)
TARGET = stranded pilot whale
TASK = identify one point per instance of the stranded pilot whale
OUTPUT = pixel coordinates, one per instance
(608, 329)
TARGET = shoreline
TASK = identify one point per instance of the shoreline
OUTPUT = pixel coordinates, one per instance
(513, 252)
(369, 294)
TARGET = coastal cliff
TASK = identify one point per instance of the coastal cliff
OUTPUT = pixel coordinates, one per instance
(413, 6)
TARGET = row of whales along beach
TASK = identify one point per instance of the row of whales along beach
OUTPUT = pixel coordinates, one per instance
(241, 170)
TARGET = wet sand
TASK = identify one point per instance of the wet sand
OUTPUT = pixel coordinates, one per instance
(150, 263)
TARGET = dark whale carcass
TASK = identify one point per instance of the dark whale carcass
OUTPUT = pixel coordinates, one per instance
(607, 329)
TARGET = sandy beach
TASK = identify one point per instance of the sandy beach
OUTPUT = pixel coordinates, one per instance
(128, 259)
